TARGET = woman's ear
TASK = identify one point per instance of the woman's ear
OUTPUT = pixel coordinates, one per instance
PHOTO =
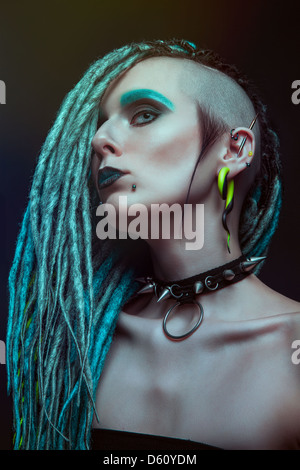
(240, 150)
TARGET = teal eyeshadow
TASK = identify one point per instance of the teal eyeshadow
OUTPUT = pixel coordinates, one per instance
(135, 95)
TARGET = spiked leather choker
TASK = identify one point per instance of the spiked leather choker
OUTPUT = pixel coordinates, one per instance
(185, 290)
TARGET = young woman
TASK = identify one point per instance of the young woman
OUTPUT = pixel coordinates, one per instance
(203, 351)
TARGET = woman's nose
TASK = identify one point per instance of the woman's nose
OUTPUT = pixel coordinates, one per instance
(105, 144)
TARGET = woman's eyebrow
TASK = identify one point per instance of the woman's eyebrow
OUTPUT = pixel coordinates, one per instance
(134, 95)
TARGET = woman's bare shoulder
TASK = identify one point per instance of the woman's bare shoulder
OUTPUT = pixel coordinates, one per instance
(272, 302)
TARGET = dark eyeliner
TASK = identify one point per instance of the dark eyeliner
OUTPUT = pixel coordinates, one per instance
(146, 110)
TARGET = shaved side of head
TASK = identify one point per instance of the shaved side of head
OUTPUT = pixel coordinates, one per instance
(220, 96)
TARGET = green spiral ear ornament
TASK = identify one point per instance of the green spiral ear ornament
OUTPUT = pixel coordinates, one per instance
(226, 190)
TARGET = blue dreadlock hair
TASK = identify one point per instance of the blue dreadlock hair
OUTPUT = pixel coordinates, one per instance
(66, 287)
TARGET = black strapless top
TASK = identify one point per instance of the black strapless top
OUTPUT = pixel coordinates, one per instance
(106, 439)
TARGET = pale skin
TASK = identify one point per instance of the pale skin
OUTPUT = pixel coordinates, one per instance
(232, 383)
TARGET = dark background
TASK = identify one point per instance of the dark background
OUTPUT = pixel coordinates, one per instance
(45, 47)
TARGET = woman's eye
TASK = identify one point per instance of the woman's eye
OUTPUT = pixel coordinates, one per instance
(143, 117)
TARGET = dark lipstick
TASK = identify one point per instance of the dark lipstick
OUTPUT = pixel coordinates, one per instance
(107, 176)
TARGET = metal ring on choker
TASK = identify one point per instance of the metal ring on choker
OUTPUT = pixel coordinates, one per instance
(207, 282)
(185, 335)
(172, 293)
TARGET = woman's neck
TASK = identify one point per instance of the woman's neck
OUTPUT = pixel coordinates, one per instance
(172, 260)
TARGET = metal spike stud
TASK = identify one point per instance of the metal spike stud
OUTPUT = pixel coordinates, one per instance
(198, 287)
(228, 275)
(166, 294)
(146, 289)
(251, 263)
